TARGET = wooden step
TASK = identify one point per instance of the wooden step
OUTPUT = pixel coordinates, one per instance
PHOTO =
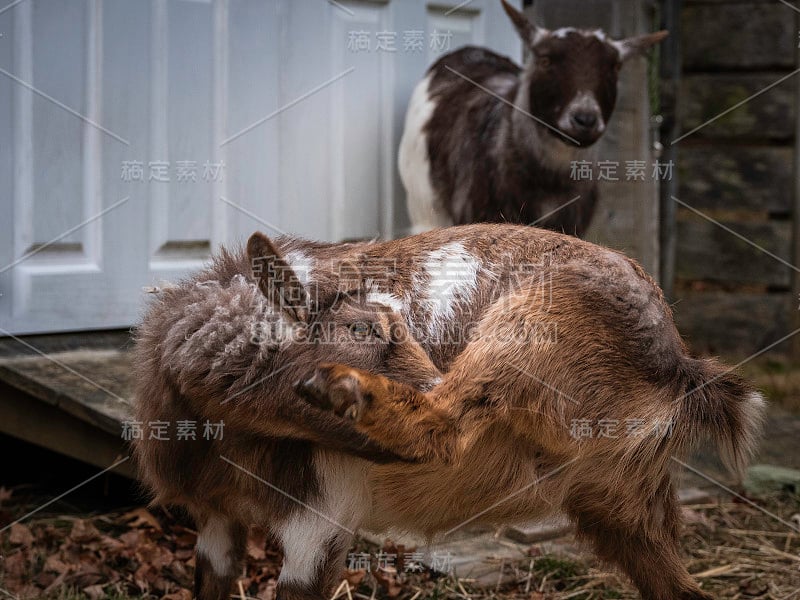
(69, 394)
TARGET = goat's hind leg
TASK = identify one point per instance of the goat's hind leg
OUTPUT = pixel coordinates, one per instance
(390, 413)
(642, 540)
(220, 550)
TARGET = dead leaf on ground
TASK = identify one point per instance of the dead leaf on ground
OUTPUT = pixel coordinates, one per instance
(387, 579)
(15, 565)
(181, 594)
(131, 538)
(55, 565)
(84, 531)
(355, 576)
(141, 517)
(266, 590)
(20, 535)
(95, 592)
(256, 544)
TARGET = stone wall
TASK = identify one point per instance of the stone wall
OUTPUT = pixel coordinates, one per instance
(733, 298)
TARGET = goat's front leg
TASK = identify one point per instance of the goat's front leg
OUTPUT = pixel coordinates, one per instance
(396, 416)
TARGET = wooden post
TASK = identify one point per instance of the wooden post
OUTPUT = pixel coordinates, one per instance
(794, 318)
(670, 76)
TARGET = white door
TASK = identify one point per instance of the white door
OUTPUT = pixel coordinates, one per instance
(135, 137)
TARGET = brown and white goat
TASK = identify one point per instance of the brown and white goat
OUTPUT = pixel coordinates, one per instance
(226, 346)
(532, 330)
(488, 140)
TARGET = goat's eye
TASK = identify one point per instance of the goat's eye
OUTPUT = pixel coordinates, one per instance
(543, 62)
(360, 330)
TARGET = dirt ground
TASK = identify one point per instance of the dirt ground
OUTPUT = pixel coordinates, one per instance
(736, 550)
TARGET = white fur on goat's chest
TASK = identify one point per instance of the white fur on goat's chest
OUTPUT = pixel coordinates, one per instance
(414, 164)
(342, 503)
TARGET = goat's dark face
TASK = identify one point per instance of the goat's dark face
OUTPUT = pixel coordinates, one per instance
(572, 76)
(335, 320)
(573, 83)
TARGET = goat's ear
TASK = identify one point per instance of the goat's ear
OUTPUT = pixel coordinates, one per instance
(276, 278)
(639, 44)
(527, 31)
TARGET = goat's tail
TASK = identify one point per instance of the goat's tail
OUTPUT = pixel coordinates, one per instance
(716, 403)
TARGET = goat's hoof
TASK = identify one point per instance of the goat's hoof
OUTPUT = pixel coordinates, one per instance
(333, 387)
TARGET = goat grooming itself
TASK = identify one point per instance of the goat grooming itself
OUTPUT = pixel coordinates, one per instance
(585, 336)
(438, 378)
(486, 140)
(226, 345)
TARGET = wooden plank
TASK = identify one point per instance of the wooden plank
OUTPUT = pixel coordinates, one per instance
(795, 314)
(705, 97)
(707, 252)
(33, 345)
(93, 386)
(737, 36)
(735, 325)
(52, 428)
(670, 72)
(539, 531)
(756, 178)
(559, 525)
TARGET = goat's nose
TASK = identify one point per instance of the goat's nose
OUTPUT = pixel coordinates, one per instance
(584, 119)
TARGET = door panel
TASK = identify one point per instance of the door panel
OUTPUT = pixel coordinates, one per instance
(138, 136)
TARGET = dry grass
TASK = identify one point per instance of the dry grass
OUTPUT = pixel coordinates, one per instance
(736, 551)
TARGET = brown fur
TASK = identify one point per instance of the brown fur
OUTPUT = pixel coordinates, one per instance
(204, 352)
(490, 442)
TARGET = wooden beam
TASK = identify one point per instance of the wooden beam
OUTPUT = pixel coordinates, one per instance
(26, 418)
(795, 256)
(669, 71)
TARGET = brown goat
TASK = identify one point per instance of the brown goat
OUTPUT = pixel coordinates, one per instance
(534, 331)
(227, 346)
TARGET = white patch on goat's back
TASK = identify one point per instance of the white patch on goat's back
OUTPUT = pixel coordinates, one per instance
(339, 509)
(414, 164)
(386, 299)
(301, 264)
(450, 277)
(214, 543)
